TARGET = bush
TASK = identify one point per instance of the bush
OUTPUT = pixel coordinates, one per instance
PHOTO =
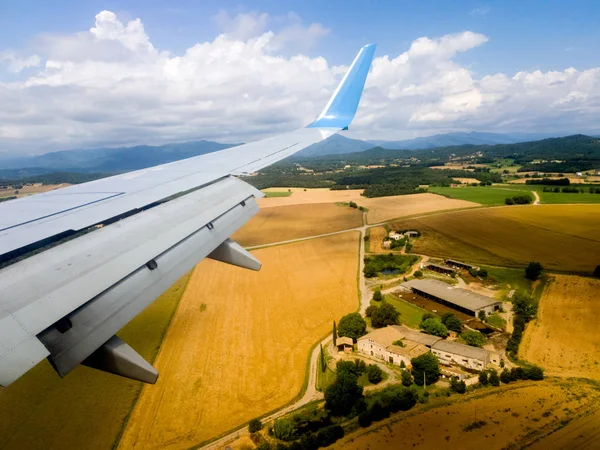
(364, 419)
(434, 327)
(370, 309)
(505, 376)
(493, 378)
(451, 322)
(428, 315)
(343, 394)
(374, 374)
(377, 296)
(419, 274)
(533, 271)
(597, 272)
(459, 387)
(255, 425)
(407, 379)
(427, 364)
(352, 205)
(329, 435)
(509, 201)
(535, 373)
(352, 325)
(385, 315)
(356, 368)
(473, 338)
(483, 273)
(483, 378)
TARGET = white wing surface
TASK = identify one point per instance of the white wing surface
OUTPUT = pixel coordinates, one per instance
(82, 261)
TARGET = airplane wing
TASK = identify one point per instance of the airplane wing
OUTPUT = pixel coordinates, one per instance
(82, 261)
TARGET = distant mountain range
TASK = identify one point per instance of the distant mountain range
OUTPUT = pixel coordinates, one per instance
(123, 159)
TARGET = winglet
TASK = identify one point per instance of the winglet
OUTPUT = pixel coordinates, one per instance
(342, 105)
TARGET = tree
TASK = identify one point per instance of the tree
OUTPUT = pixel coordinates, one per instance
(473, 338)
(377, 296)
(418, 273)
(334, 334)
(481, 315)
(434, 327)
(374, 374)
(385, 315)
(370, 309)
(525, 308)
(533, 270)
(509, 201)
(323, 363)
(597, 272)
(505, 376)
(255, 425)
(407, 379)
(483, 273)
(352, 325)
(342, 395)
(494, 380)
(427, 364)
(352, 205)
(402, 365)
(483, 378)
(459, 387)
(451, 322)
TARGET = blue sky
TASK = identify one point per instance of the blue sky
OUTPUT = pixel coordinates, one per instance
(464, 80)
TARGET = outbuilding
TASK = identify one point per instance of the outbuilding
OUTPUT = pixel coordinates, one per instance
(344, 344)
(460, 299)
(449, 352)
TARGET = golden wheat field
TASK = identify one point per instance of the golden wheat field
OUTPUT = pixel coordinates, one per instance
(564, 339)
(513, 416)
(302, 196)
(88, 408)
(561, 237)
(582, 433)
(296, 221)
(239, 343)
(376, 236)
(382, 209)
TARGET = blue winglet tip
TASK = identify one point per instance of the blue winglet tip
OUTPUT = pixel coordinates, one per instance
(342, 105)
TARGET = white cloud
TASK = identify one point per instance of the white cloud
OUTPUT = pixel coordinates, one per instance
(16, 64)
(111, 86)
(480, 12)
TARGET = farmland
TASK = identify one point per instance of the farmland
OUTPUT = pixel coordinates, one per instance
(29, 190)
(88, 408)
(476, 194)
(410, 314)
(387, 208)
(234, 335)
(296, 221)
(301, 196)
(510, 417)
(561, 237)
(377, 234)
(565, 338)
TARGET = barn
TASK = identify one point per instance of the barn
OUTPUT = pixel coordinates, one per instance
(460, 299)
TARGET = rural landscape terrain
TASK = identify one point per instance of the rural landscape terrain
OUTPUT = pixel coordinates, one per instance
(253, 359)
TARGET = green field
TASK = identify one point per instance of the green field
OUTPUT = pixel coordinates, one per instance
(271, 194)
(478, 194)
(553, 197)
(88, 408)
(561, 237)
(410, 315)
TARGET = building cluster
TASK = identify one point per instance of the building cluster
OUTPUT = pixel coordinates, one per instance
(460, 299)
(396, 344)
(395, 236)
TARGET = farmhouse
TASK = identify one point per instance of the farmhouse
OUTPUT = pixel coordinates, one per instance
(449, 352)
(440, 268)
(344, 344)
(416, 336)
(383, 343)
(460, 299)
(395, 236)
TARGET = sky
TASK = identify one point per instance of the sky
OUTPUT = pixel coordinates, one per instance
(107, 73)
